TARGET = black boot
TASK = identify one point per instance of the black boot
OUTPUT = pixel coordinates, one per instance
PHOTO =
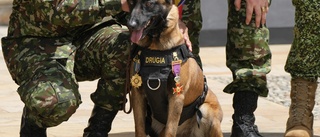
(28, 127)
(99, 123)
(244, 104)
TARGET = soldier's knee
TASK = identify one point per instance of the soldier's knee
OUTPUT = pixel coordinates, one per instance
(52, 102)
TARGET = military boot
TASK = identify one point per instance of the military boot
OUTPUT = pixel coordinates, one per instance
(300, 121)
(244, 104)
(28, 127)
(99, 123)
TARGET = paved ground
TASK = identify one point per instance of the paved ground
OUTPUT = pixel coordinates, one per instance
(270, 117)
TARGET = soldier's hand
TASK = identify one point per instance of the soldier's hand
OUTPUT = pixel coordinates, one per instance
(124, 5)
(259, 7)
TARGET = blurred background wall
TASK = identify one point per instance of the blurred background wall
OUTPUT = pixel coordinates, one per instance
(5, 10)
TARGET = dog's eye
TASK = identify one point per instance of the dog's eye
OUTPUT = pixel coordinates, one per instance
(149, 4)
(130, 2)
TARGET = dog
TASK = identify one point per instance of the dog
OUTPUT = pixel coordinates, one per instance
(165, 77)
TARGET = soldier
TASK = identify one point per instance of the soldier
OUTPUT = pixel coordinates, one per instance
(191, 17)
(249, 59)
(304, 67)
(53, 44)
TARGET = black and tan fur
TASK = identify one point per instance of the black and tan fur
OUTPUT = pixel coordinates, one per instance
(156, 21)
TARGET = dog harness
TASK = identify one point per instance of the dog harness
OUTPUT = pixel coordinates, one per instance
(158, 76)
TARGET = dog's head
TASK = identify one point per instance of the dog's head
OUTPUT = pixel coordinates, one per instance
(148, 18)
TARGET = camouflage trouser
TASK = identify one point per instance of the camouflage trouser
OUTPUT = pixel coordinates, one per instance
(191, 16)
(248, 53)
(103, 54)
(303, 59)
(46, 73)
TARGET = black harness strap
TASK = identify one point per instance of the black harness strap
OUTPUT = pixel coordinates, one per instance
(157, 79)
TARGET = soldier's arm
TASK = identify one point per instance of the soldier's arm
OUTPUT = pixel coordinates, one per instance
(75, 12)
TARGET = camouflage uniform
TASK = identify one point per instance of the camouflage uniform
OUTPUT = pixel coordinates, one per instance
(248, 53)
(249, 59)
(303, 59)
(191, 16)
(303, 64)
(52, 44)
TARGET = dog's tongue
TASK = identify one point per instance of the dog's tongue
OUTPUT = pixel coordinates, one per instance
(136, 35)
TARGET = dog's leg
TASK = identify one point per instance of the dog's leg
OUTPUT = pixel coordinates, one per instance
(139, 112)
(176, 102)
(216, 114)
(216, 131)
(209, 124)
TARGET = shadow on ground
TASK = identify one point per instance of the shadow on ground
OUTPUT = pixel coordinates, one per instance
(131, 134)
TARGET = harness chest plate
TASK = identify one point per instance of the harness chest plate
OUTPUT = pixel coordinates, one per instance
(155, 69)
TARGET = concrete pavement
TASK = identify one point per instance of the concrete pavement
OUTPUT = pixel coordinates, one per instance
(270, 117)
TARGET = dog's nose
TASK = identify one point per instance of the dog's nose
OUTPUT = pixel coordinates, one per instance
(132, 24)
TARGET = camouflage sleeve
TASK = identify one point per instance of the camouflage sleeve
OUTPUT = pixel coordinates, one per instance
(74, 12)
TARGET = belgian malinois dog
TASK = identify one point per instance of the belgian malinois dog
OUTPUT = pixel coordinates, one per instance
(165, 77)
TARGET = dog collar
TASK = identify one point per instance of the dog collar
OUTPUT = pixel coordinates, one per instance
(146, 58)
(161, 57)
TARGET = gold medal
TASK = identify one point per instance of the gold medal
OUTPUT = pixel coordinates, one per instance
(136, 80)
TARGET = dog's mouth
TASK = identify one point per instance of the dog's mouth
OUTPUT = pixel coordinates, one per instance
(138, 34)
(152, 28)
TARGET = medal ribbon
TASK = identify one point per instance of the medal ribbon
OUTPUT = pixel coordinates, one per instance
(179, 4)
(176, 67)
(136, 78)
(137, 63)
